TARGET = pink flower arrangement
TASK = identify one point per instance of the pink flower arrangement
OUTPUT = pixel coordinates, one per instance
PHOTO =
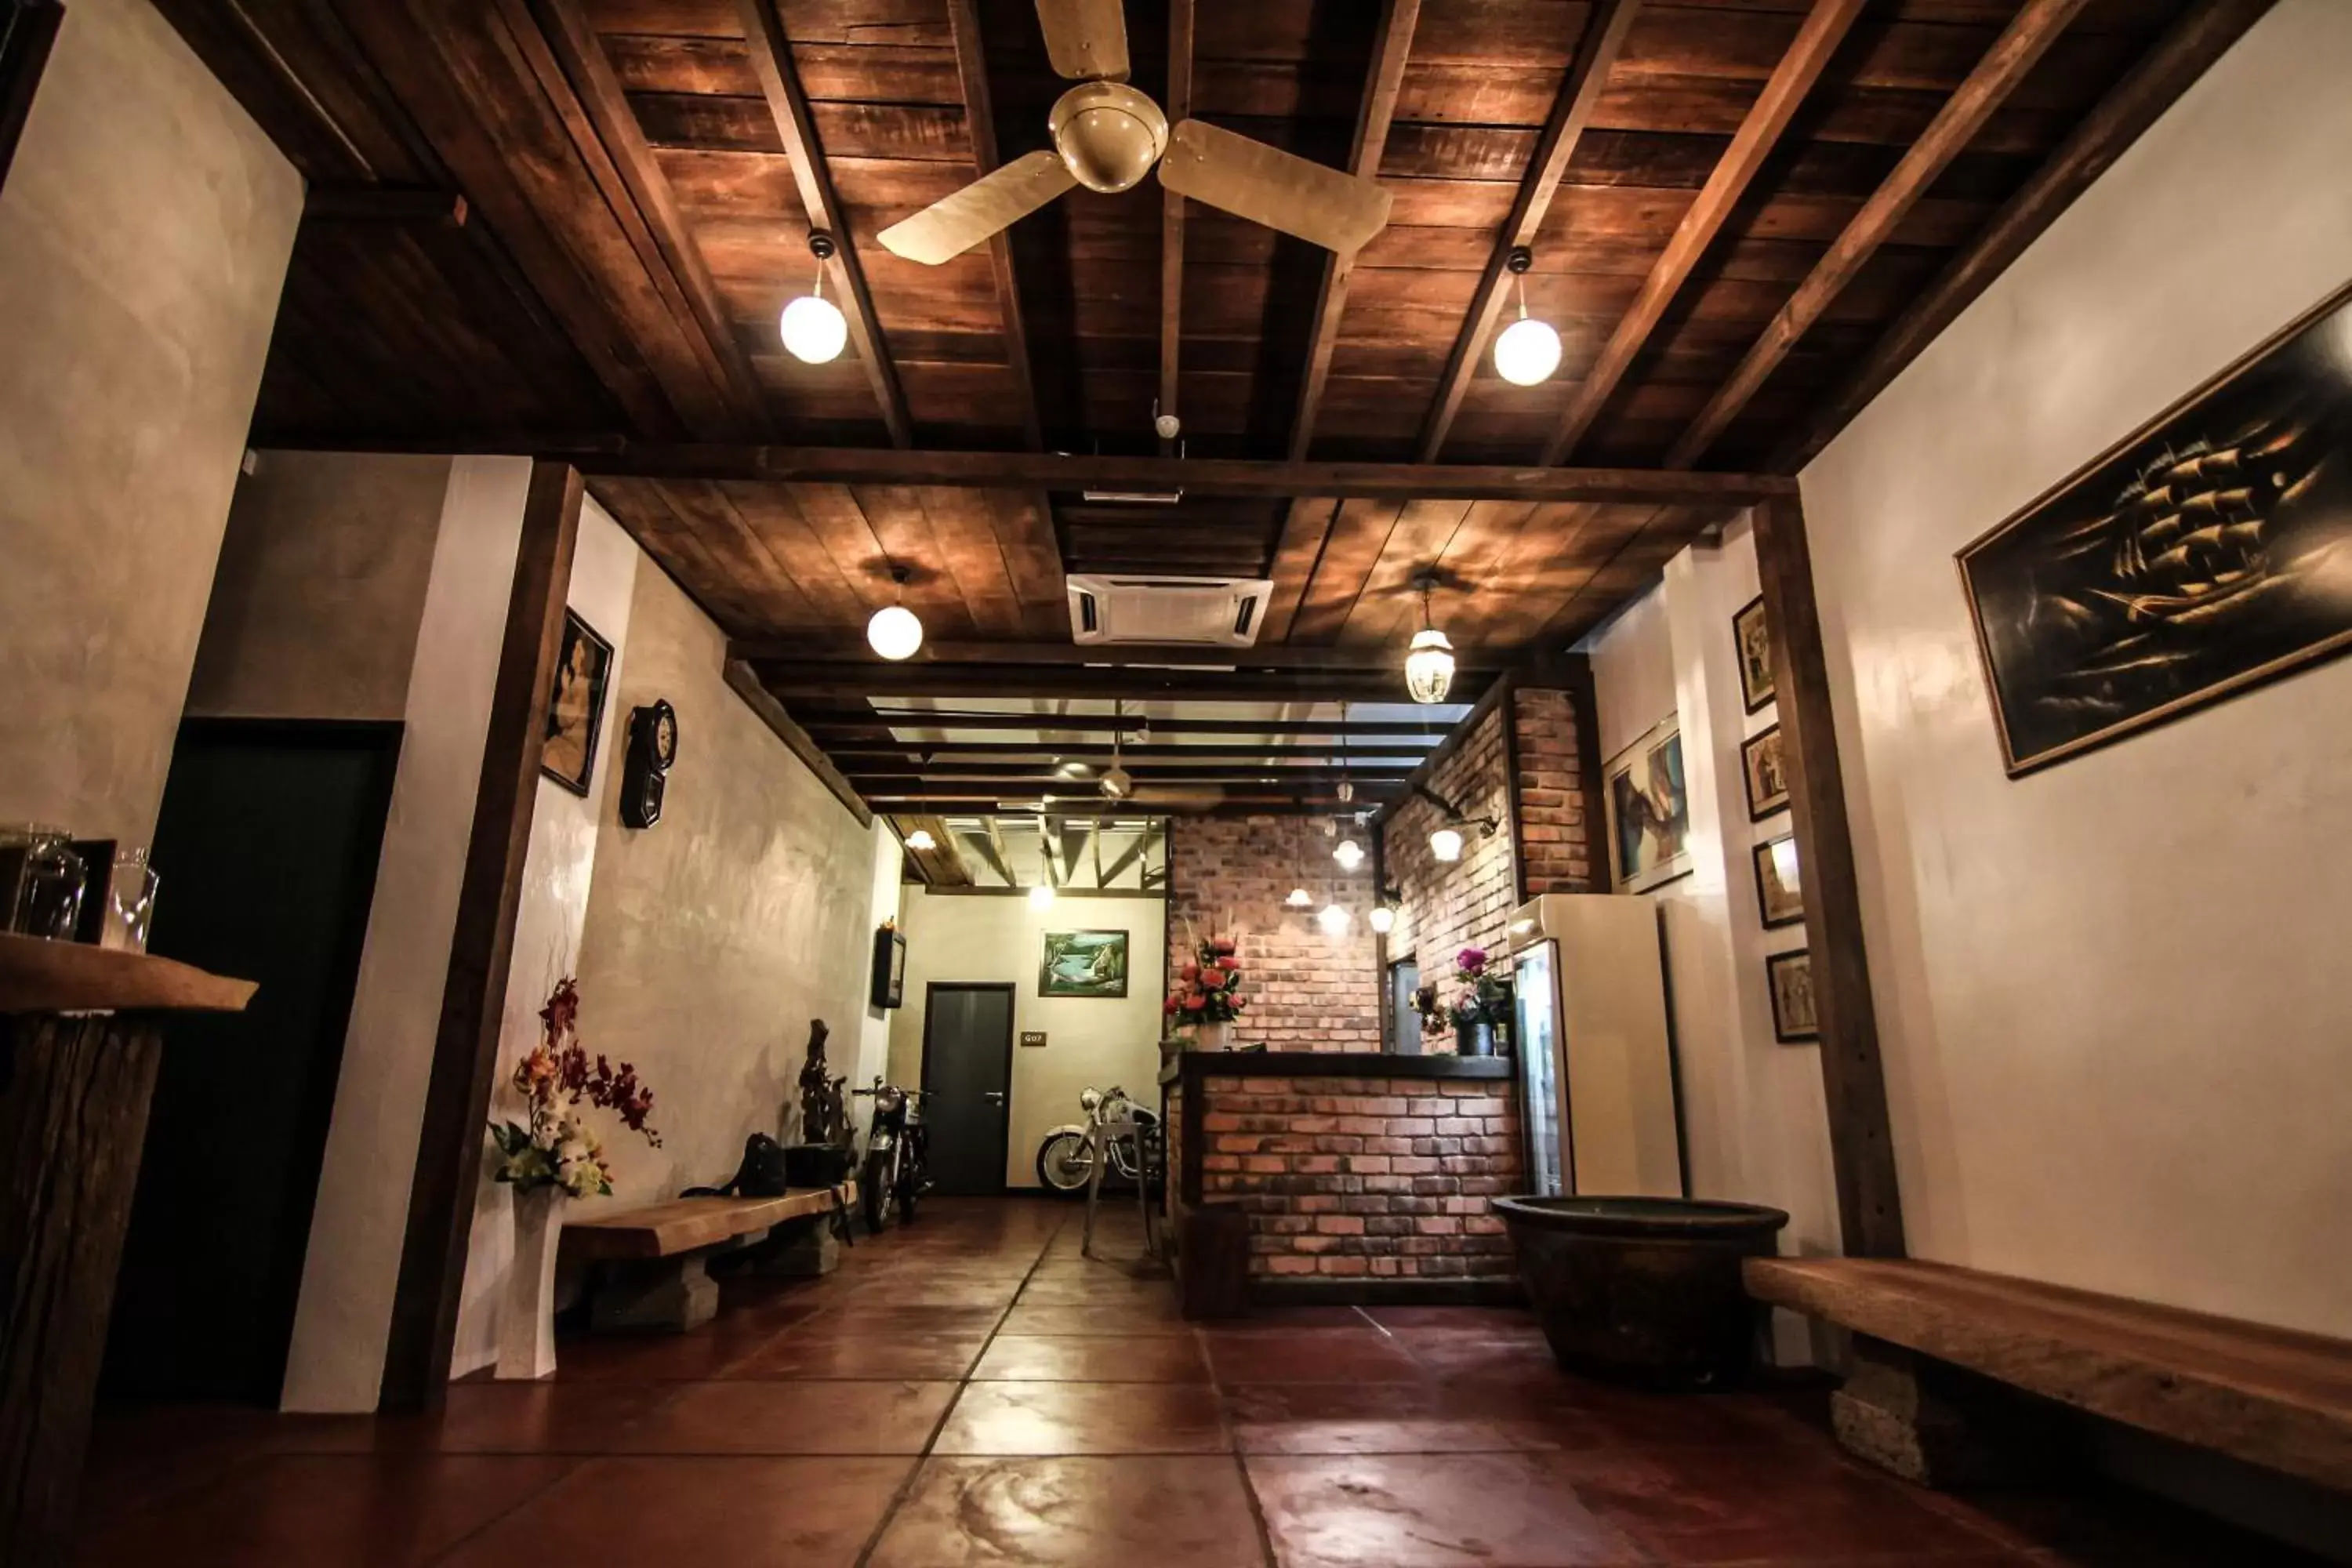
(1210, 988)
(556, 1147)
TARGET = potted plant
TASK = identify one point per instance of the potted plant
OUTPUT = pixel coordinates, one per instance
(553, 1153)
(1480, 1014)
(1207, 998)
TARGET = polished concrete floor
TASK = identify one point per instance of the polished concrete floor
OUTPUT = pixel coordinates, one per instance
(975, 1391)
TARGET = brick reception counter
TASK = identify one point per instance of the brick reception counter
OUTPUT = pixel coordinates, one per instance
(1360, 1177)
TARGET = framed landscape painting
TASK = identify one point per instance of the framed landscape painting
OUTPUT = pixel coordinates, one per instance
(1649, 810)
(2205, 555)
(1084, 963)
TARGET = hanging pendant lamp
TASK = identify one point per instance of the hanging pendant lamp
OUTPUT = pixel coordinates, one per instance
(1429, 663)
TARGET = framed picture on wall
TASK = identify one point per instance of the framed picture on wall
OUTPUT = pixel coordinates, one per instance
(1649, 810)
(1789, 977)
(575, 708)
(889, 980)
(1767, 781)
(2203, 555)
(1778, 892)
(1084, 963)
(1753, 637)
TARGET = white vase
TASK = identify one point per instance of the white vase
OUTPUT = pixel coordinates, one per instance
(526, 1327)
(1211, 1036)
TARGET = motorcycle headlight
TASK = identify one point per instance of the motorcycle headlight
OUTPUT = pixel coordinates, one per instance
(1089, 1099)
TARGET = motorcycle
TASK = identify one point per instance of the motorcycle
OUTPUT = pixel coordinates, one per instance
(897, 1168)
(1065, 1158)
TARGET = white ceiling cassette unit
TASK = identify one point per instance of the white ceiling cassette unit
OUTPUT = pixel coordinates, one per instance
(1208, 611)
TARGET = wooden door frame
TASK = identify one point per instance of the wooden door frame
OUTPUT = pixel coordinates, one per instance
(1012, 990)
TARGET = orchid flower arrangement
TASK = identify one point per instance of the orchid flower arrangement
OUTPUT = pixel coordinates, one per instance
(557, 1148)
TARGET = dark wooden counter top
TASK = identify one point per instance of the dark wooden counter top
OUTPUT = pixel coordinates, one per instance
(1195, 1065)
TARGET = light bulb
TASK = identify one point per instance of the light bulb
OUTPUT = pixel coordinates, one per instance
(1118, 783)
(1041, 897)
(1429, 667)
(813, 329)
(1445, 844)
(1383, 918)
(1299, 899)
(894, 632)
(1333, 920)
(1350, 854)
(921, 839)
(1527, 352)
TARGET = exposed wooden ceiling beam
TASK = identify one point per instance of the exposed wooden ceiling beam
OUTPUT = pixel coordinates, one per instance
(852, 648)
(798, 682)
(2200, 37)
(1042, 773)
(1372, 759)
(1202, 475)
(385, 204)
(1070, 847)
(763, 702)
(978, 803)
(940, 866)
(980, 120)
(1817, 39)
(1179, 108)
(991, 848)
(674, 260)
(1579, 95)
(771, 60)
(1136, 849)
(1377, 111)
(2023, 42)
(831, 722)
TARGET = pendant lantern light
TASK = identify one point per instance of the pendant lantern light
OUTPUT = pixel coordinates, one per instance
(1527, 350)
(1118, 784)
(1383, 918)
(1300, 899)
(813, 329)
(1333, 920)
(895, 632)
(1429, 663)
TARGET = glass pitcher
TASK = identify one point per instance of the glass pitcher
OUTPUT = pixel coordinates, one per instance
(41, 881)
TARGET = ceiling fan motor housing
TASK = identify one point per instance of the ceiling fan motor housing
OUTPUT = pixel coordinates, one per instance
(1109, 133)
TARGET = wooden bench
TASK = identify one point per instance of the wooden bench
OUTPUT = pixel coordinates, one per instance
(654, 1272)
(2269, 1396)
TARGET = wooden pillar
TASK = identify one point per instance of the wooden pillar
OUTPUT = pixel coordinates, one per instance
(28, 29)
(1870, 1206)
(473, 998)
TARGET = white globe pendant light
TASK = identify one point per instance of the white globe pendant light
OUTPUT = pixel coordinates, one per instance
(921, 839)
(1041, 897)
(1429, 663)
(895, 632)
(1333, 920)
(1383, 918)
(813, 327)
(1349, 853)
(1527, 350)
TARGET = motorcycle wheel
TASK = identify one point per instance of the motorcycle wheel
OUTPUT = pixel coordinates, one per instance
(1064, 1166)
(874, 1192)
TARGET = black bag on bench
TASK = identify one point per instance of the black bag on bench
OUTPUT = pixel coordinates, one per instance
(760, 1175)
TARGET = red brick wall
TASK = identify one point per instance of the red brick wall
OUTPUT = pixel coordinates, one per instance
(1306, 991)
(1442, 907)
(1364, 1177)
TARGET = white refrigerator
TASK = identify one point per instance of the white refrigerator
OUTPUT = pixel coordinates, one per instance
(1598, 1096)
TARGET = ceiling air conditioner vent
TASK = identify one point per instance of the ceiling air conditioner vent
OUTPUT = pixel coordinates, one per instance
(1215, 612)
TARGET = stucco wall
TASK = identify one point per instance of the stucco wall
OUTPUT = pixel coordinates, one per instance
(144, 230)
(1089, 1041)
(2110, 993)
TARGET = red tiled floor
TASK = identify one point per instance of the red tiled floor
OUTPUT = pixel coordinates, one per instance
(1094, 1512)
(707, 1513)
(972, 1390)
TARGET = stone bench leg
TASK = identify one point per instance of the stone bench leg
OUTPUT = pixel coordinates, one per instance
(800, 1249)
(669, 1295)
(1942, 1425)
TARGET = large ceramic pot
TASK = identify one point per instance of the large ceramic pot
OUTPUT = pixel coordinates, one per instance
(1643, 1289)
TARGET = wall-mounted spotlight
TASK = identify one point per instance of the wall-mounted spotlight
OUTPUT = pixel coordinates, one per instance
(814, 328)
(1446, 841)
(1527, 350)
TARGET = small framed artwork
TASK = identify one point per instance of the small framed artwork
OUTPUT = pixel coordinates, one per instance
(1649, 810)
(575, 708)
(1768, 780)
(1084, 963)
(1778, 892)
(1789, 977)
(1753, 637)
(889, 987)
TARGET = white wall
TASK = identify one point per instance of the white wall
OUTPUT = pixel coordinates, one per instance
(872, 1057)
(343, 1319)
(2110, 994)
(144, 231)
(558, 866)
(1090, 1041)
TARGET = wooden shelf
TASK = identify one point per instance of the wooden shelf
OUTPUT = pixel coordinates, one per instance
(42, 976)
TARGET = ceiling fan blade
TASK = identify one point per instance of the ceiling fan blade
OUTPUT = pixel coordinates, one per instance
(1195, 798)
(1265, 184)
(990, 205)
(1085, 39)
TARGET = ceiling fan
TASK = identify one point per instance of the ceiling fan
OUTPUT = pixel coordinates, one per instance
(1106, 135)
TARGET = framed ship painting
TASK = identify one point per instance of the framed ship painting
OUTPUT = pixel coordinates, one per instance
(1649, 810)
(2205, 555)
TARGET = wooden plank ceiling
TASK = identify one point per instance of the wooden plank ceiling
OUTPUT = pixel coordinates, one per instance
(541, 223)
